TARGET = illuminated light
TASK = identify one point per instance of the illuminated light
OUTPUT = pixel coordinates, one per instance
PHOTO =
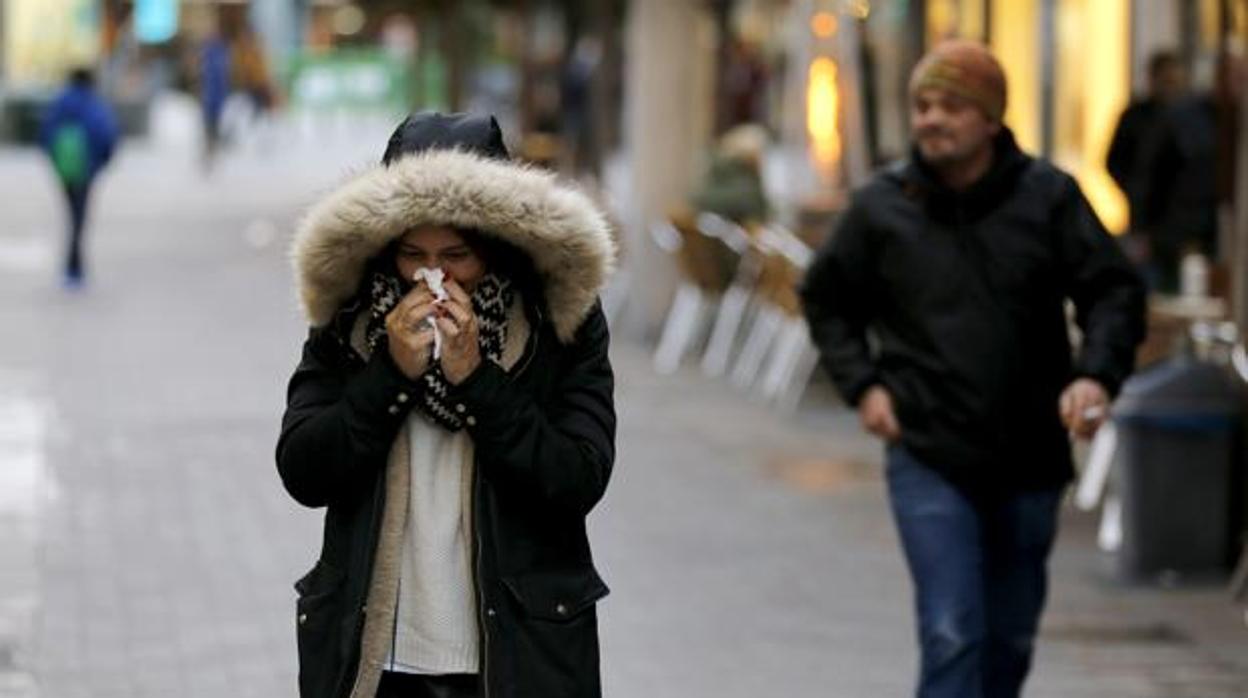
(348, 20)
(155, 21)
(1105, 94)
(941, 20)
(823, 113)
(823, 25)
(1016, 43)
(859, 9)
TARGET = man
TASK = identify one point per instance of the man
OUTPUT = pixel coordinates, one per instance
(1167, 81)
(1135, 156)
(78, 133)
(958, 263)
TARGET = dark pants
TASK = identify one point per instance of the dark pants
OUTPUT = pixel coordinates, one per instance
(400, 685)
(76, 199)
(979, 573)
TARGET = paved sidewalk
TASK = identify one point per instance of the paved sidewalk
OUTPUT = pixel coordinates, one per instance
(147, 548)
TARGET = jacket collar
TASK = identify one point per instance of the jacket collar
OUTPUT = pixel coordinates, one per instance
(948, 205)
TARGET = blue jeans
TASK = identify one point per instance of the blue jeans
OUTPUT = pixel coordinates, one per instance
(76, 200)
(979, 572)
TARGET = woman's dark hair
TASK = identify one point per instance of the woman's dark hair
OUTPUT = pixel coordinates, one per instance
(499, 256)
(505, 259)
(82, 77)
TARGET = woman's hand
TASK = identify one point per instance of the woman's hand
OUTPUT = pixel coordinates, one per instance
(461, 353)
(409, 336)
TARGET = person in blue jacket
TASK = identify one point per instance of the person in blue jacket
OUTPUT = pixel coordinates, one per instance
(214, 90)
(79, 133)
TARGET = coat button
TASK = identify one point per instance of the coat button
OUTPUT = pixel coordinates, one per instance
(402, 397)
(303, 618)
(394, 409)
(491, 612)
(460, 408)
(471, 421)
(561, 609)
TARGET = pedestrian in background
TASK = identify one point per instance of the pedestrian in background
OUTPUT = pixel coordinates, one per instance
(1134, 158)
(213, 73)
(78, 133)
(732, 186)
(458, 430)
(956, 264)
(1180, 188)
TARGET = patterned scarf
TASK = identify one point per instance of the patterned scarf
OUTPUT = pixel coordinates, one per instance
(491, 299)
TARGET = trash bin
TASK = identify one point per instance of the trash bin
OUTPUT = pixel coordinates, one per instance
(1178, 474)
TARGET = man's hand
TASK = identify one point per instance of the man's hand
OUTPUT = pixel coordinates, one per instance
(409, 338)
(461, 354)
(875, 412)
(1084, 405)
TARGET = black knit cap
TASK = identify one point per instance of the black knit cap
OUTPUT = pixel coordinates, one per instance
(429, 130)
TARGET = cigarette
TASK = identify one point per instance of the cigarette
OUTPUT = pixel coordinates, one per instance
(1092, 413)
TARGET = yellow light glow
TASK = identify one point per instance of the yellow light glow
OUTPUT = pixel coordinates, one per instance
(823, 114)
(44, 38)
(1106, 91)
(941, 20)
(860, 9)
(823, 25)
(949, 18)
(971, 19)
(1015, 40)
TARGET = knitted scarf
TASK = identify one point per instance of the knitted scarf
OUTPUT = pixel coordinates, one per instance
(491, 299)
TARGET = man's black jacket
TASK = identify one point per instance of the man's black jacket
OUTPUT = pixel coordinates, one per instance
(955, 302)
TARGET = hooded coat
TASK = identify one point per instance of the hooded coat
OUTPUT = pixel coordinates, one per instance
(955, 302)
(82, 106)
(543, 432)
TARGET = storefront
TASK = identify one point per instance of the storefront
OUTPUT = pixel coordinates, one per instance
(1072, 67)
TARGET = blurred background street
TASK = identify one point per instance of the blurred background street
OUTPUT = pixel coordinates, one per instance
(146, 545)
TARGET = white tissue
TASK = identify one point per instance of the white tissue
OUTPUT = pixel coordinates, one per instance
(433, 279)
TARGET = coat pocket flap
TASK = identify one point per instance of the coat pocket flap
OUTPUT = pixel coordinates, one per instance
(323, 578)
(557, 595)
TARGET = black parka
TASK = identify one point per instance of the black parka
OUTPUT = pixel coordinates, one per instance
(543, 432)
(954, 301)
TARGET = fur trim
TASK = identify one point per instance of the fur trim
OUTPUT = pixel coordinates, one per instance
(384, 587)
(560, 228)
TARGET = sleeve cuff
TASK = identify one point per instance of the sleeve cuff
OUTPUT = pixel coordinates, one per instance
(482, 397)
(853, 391)
(382, 392)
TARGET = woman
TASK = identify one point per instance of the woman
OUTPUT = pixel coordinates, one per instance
(457, 444)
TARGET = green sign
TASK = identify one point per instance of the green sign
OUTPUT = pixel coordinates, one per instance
(363, 79)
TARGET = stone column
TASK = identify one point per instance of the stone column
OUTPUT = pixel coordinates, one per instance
(668, 95)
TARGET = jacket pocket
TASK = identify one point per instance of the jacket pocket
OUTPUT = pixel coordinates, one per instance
(559, 595)
(554, 638)
(318, 615)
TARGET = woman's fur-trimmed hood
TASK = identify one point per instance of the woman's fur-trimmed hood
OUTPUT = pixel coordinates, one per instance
(561, 230)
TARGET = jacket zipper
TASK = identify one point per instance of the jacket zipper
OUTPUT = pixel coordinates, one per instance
(483, 609)
(379, 498)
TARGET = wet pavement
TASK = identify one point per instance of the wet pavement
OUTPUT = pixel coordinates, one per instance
(147, 549)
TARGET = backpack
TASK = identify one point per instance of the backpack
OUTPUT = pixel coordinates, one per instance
(71, 154)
